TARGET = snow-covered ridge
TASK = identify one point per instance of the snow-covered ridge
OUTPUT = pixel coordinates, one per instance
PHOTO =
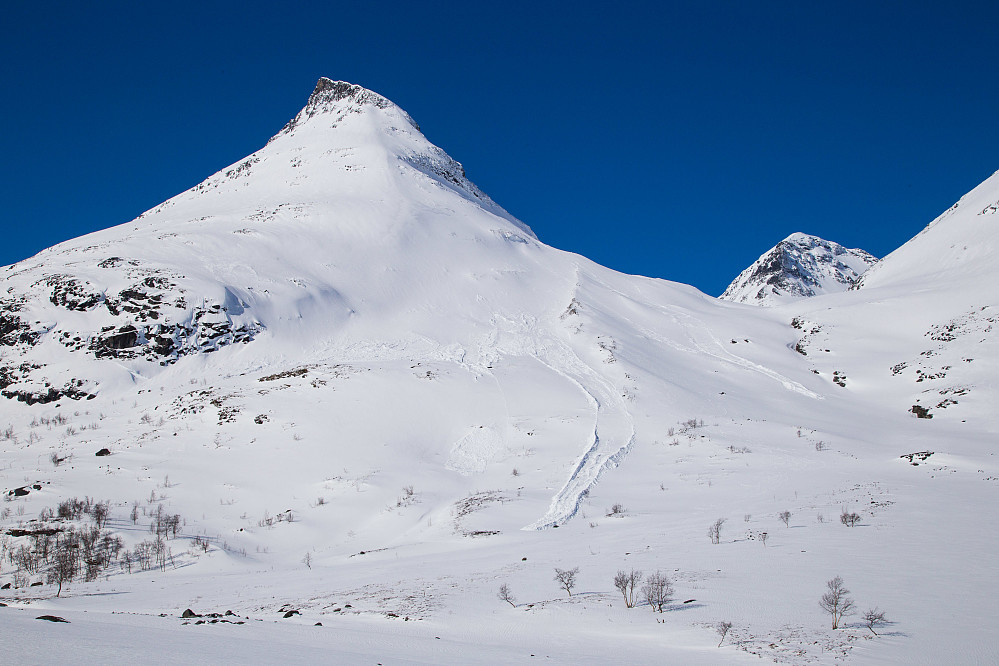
(799, 266)
(956, 251)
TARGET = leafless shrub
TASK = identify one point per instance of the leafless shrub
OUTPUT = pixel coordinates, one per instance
(820, 518)
(836, 601)
(408, 497)
(785, 517)
(820, 446)
(690, 424)
(64, 567)
(723, 628)
(875, 618)
(73, 508)
(307, 560)
(100, 513)
(714, 531)
(506, 595)
(763, 538)
(566, 578)
(21, 579)
(626, 582)
(849, 519)
(657, 591)
(747, 517)
(617, 510)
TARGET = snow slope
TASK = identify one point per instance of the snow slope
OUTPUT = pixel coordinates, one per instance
(798, 267)
(372, 396)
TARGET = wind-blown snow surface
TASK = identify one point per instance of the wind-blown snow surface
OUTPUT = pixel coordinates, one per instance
(373, 397)
(798, 267)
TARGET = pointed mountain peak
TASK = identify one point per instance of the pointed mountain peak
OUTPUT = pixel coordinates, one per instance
(339, 99)
(799, 266)
(329, 95)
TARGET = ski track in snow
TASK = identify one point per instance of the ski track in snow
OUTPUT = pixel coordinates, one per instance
(692, 327)
(715, 349)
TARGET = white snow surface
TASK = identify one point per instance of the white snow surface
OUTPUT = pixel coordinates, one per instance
(373, 397)
(798, 267)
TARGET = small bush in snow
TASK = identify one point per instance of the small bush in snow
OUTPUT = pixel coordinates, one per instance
(875, 618)
(626, 582)
(566, 578)
(506, 595)
(714, 531)
(785, 517)
(836, 601)
(849, 519)
(657, 591)
(723, 628)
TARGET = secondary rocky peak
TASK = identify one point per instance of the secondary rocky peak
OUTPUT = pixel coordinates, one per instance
(799, 266)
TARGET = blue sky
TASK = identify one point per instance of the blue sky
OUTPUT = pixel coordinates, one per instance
(676, 140)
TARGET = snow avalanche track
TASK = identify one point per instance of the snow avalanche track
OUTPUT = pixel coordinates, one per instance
(613, 431)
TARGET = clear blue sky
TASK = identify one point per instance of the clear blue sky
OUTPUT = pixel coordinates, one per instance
(677, 140)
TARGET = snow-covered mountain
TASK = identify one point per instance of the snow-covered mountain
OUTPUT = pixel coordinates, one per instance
(335, 383)
(798, 267)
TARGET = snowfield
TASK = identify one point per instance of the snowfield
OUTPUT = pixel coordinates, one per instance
(346, 397)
